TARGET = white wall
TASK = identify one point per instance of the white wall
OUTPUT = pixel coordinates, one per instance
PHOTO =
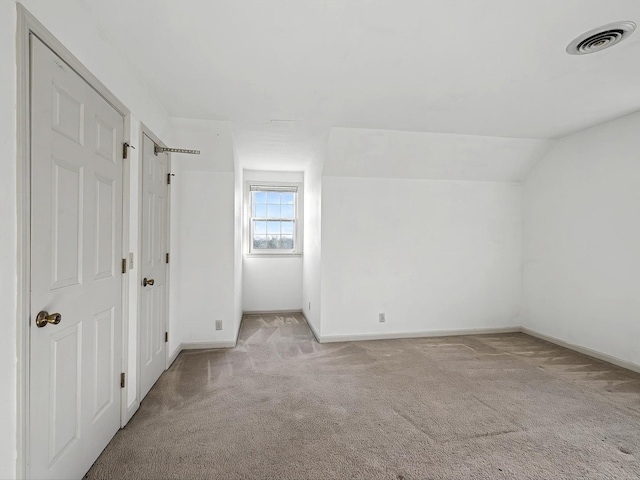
(432, 255)
(8, 253)
(582, 241)
(205, 278)
(73, 24)
(238, 243)
(271, 283)
(204, 220)
(175, 258)
(311, 260)
(360, 152)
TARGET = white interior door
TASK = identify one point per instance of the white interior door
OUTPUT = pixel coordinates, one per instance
(153, 254)
(76, 243)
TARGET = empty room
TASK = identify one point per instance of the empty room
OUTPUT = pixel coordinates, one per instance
(320, 239)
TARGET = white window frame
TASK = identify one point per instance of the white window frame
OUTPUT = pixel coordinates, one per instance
(297, 217)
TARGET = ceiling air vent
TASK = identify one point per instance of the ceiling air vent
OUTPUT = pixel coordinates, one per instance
(601, 38)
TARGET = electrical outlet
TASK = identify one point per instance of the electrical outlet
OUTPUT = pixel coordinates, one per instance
(381, 317)
(218, 324)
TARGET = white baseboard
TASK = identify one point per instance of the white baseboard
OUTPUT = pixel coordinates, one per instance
(311, 327)
(269, 312)
(422, 334)
(206, 345)
(131, 411)
(584, 350)
(174, 355)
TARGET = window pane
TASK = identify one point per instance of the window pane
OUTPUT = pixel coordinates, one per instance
(286, 242)
(287, 228)
(273, 197)
(287, 211)
(286, 198)
(260, 227)
(273, 211)
(273, 241)
(259, 197)
(276, 234)
(273, 227)
(260, 210)
(259, 241)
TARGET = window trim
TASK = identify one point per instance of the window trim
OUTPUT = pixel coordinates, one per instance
(252, 185)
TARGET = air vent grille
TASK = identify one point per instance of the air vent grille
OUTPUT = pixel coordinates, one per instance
(601, 38)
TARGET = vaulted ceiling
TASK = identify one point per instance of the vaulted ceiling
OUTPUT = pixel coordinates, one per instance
(476, 67)
(368, 86)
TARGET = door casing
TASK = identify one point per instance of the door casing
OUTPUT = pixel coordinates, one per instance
(27, 24)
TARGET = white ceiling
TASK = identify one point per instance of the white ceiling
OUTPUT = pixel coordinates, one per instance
(490, 67)
(278, 146)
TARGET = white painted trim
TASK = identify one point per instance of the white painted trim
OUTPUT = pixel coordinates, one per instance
(583, 350)
(477, 331)
(138, 262)
(168, 278)
(23, 171)
(172, 357)
(126, 214)
(428, 333)
(239, 328)
(311, 327)
(269, 312)
(130, 412)
(273, 255)
(206, 345)
(298, 235)
(432, 333)
(27, 24)
(40, 31)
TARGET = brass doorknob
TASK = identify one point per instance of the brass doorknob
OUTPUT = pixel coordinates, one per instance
(146, 282)
(43, 319)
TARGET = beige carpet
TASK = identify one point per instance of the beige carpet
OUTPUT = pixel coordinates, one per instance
(282, 406)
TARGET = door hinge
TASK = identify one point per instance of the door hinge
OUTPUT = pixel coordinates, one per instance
(125, 150)
(169, 175)
(166, 337)
(124, 265)
(167, 258)
(122, 376)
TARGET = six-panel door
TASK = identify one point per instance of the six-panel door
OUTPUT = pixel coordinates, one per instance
(76, 248)
(153, 297)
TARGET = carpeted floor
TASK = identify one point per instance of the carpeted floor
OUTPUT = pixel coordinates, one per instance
(282, 406)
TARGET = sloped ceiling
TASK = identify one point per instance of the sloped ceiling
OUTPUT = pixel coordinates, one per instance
(279, 146)
(388, 154)
(491, 68)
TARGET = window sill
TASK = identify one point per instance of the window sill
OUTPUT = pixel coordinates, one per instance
(272, 255)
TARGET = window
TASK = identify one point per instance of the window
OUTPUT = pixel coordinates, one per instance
(274, 219)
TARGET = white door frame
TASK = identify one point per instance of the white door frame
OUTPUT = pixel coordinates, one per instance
(27, 24)
(144, 130)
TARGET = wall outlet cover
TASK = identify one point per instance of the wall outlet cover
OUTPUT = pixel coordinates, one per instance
(218, 324)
